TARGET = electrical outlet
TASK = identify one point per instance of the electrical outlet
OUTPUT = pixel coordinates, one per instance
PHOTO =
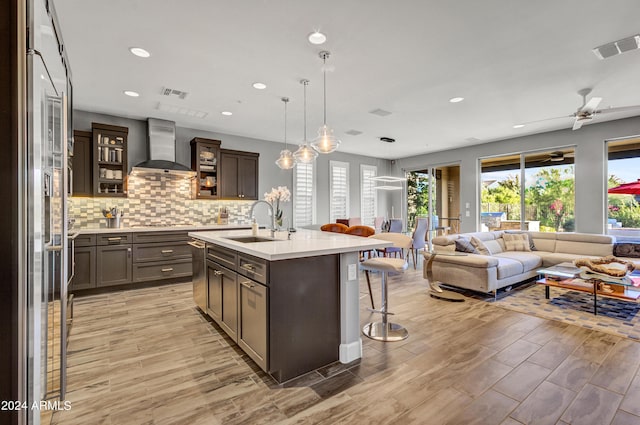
(352, 272)
(467, 213)
(467, 205)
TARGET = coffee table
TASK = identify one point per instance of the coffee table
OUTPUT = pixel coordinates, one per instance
(567, 276)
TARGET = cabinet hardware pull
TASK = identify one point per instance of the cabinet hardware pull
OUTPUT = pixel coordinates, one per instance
(170, 269)
(53, 248)
(217, 272)
(196, 244)
(167, 251)
(248, 266)
(247, 284)
(115, 239)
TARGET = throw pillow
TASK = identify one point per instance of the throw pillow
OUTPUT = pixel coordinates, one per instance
(464, 245)
(532, 245)
(516, 242)
(479, 246)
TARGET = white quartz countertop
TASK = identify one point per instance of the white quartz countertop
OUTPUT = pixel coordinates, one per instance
(303, 243)
(216, 227)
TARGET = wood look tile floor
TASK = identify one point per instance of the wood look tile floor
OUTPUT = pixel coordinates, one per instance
(148, 356)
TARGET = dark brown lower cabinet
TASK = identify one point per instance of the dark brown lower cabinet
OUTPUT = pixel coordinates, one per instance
(114, 265)
(252, 328)
(222, 302)
(84, 276)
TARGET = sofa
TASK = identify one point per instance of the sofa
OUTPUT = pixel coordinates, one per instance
(502, 267)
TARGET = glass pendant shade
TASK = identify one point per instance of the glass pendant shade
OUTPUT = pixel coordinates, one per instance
(286, 160)
(305, 154)
(326, 142)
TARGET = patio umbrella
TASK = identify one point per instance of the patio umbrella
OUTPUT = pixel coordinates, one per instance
(632, 188)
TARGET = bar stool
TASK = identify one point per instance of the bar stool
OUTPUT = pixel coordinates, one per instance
(385, 330)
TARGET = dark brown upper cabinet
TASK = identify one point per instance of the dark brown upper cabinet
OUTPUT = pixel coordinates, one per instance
(238, 175)
(109, 160)
(82, 169)
(205, 161)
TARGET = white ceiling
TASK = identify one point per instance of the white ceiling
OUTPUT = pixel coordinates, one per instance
(512, 60)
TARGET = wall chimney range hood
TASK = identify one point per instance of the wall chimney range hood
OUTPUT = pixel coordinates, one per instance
(162, 152)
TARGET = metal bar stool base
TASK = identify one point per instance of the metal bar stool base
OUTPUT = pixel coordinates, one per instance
(385, 331)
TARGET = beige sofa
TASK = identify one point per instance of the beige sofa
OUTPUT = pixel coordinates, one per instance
(488, 273)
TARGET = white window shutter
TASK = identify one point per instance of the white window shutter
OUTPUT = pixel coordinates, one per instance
(303, 195)
(368, 196)
(339, 190)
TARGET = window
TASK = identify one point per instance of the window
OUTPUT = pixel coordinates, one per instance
(338, 190)
(368, 200)
(546, 200)
(623, 214)
(303, 195)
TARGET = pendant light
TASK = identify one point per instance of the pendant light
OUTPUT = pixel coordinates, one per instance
(286, 161)
(326, 142)
(305, 154)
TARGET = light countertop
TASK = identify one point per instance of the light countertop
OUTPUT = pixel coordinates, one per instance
(303, 243)
(216, 227)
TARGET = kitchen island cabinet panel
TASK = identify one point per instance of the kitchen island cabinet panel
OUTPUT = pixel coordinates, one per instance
(114, 265)
(253, 317)
(84, 276)
(238, 175)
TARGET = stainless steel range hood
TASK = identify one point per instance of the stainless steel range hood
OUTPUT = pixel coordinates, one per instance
(162, 152)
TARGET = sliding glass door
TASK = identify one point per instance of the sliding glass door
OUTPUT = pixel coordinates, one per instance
(623, 183)
(546, 200)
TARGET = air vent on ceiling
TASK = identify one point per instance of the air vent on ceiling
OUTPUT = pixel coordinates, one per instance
(380, 112)
(617, 47)
(387, 139)
(353, 132)
(166, 91)
(181, 110)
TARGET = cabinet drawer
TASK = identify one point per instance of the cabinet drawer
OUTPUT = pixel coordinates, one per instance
(143, 272)
(144, 237)
(85, 240)
(253, 267)
(161, 252)
(114, 239)
(224, 256)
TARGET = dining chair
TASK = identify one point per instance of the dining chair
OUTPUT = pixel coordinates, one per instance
(334, 227)
(377, 224)
(395, 226)
(419, 237)
(385, 330)
(344, 221)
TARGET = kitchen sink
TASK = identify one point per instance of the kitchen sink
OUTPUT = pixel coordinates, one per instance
(249, 239)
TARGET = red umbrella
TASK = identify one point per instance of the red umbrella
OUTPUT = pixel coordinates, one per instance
(632, 188)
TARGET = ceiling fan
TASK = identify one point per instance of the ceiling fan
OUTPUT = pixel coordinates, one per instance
(589, 110)
(558, 156)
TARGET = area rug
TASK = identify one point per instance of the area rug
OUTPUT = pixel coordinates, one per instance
(621, 318)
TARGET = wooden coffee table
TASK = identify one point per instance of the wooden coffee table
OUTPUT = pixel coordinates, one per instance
(566, 276)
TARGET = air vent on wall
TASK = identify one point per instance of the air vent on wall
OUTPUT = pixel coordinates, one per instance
(617, 47)
(387, 139)
(166, 91)
(380, 112)
(353, 132)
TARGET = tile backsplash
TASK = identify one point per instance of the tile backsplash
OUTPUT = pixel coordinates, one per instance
(157, 200)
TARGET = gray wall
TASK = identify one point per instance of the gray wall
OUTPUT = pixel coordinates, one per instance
(270, 175)
(590, 167)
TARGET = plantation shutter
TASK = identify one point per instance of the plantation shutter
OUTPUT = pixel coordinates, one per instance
(303, 195)
(368, 200)
(339, 190)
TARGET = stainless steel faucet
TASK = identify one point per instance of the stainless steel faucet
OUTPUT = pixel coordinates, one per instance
(273, 215)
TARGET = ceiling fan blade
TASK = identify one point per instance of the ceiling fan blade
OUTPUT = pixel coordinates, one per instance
(548, 119)
(577, 124)
(619, 109)
(591, 105)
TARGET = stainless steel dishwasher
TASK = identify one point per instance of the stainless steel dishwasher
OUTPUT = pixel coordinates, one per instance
(199, 277)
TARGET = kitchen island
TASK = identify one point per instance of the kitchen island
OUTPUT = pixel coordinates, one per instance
(291, 304)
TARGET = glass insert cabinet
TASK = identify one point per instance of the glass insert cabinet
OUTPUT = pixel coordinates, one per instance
(205, 160)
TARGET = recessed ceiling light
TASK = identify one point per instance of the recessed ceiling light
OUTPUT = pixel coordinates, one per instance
(259, 86)
(317, 37)
(131, 93)
(140, 52)
(518, 126)
(456, 99)
(226, 113)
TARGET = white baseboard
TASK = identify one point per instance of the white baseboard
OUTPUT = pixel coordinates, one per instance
(350, 352)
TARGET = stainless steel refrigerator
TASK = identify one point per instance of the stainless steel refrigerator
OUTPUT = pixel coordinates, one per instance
(48, 145)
